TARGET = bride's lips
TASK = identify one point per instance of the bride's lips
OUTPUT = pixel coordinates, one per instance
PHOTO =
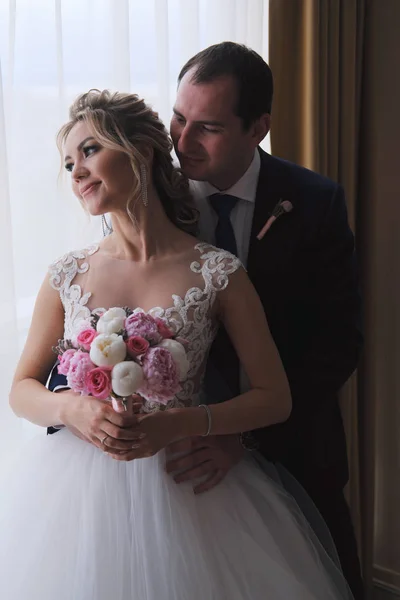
(87, 189)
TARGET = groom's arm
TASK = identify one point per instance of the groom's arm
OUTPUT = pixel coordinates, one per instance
(56, 383)
(335, 345)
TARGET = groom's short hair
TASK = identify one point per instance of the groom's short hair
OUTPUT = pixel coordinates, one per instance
(252, 75)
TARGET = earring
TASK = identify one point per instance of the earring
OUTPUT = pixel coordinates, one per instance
(143, 185)
(107, 229)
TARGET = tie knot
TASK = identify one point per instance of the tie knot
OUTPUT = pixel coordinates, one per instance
(223, 204)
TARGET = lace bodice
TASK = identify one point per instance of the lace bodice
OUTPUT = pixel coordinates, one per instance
(191, 315)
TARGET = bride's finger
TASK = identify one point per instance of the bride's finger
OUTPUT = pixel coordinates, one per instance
(137, 403)
(140, 449)
(121, 405)
(130, 404)
(114, 446)
(128, 434)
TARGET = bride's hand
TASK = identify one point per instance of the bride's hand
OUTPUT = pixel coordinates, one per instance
(159, 429)
(97, 422)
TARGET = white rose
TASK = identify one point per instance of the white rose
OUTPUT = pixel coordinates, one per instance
(126, 378)
(179, 356)
(111, 321)
(107, 350)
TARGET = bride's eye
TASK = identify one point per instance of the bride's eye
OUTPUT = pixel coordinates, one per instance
(88, 150)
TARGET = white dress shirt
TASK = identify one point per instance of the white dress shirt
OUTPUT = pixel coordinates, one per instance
(242, 214)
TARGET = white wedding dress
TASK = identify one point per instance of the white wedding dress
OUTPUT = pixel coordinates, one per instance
(77, 525)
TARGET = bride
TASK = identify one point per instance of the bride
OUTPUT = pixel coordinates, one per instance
(90, 513)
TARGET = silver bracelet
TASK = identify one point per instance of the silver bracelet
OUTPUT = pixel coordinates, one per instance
(208, 411)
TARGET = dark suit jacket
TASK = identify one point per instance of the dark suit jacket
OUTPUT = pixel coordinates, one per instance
(304, 271)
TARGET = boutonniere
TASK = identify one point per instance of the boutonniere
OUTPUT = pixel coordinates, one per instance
(283, 206)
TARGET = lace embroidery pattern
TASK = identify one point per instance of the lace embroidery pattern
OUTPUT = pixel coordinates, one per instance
(62, 273)
(190, 315)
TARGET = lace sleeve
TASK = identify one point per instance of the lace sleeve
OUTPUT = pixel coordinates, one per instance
(216, 267)
(64, 269)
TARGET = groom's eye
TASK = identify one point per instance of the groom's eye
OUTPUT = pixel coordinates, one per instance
(179, 119)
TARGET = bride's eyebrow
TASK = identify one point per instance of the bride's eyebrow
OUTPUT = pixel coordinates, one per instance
(80, 146)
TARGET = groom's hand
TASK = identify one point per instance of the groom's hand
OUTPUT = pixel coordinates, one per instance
(209, 458)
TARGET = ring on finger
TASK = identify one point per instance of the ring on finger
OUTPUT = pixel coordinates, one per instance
(103, 440)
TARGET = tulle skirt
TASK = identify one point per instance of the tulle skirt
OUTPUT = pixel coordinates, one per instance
(77, 525)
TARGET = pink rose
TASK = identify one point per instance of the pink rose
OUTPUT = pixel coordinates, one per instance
(143, 325)
(79, 367)
(161, 376)
(65, 360)
(137, 345)
(98, 382)
(163, 330)
(86, 337)
(79, 326)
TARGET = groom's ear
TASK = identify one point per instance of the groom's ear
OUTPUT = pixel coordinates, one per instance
(261, 128)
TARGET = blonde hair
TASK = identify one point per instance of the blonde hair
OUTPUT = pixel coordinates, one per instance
(123, 122)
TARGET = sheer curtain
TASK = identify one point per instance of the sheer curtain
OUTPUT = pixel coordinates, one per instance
(50, 51)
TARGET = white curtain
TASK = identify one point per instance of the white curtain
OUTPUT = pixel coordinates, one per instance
(50, 51)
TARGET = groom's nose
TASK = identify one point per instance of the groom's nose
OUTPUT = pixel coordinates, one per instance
(187, 142)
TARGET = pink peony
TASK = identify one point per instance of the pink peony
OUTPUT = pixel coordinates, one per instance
(65, 360)
(161, 376)
(143, 325)
(163, 329)
(98, 382)
(79, 367)
(137, 345)
(86, 337)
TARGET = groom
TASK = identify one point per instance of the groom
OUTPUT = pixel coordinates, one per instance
(301, 262)
(289, 227)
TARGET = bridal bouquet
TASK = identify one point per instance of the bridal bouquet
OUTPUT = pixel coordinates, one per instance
(121, 352)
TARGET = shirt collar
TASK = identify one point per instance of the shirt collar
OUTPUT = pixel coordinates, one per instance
(245, 188)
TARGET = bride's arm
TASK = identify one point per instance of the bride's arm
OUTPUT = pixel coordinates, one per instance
(29, 397)
(268, 401)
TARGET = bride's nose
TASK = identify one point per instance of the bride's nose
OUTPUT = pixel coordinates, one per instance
(79, 172)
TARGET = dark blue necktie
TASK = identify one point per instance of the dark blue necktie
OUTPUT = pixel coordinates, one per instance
(223, 205)
(222, 373)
